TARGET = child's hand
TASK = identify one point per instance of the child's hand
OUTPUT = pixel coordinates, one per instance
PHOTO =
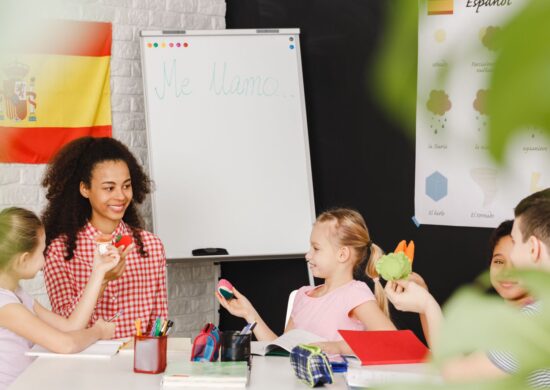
(406, 295)
(239, 306)
(106, 257)
(106, 329)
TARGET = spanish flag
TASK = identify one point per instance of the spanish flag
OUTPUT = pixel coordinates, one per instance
(54, 88)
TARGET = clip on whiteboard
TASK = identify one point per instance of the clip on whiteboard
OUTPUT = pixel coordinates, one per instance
(209, 252)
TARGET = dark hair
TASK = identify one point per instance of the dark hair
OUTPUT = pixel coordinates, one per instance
(535, 216)
(68, 211)
(502, 230)
(18, 233)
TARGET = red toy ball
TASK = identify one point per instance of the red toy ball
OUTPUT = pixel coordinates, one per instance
(123, 240)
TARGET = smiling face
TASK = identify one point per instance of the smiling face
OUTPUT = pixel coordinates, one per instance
(508, 289)
(109, 193)
(323, 252)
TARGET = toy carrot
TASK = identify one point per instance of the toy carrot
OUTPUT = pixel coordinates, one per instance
(401, 246)
(409, 251)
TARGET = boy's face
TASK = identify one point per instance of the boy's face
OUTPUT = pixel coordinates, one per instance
(522, 252)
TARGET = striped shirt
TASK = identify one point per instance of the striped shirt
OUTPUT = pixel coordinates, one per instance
(140, 291)
(505, 361)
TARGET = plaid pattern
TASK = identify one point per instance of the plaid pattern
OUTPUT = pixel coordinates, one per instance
(311, 365)
(140, 291)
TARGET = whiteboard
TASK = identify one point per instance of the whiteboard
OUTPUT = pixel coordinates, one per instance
(227, 141)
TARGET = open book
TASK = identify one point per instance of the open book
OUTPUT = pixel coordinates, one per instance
(284, 343)
(101, 349)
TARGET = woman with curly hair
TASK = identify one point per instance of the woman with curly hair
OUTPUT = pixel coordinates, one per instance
(93, 186)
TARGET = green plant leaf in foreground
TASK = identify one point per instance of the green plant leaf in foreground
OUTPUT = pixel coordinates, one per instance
(519, 92)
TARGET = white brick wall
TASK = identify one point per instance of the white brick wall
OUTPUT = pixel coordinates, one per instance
(191, 285)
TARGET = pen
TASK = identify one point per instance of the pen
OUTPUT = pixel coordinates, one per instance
(157, 328)
(163, 328)
(248, 328)
(154, 327)
(169, 327)
(115, 316)
(138, 327)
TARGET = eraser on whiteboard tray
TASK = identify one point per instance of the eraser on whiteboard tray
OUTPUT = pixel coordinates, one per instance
(209, 252)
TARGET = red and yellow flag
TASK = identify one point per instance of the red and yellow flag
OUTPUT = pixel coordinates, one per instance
(54, 88)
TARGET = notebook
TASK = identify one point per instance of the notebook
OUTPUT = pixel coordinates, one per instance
(284, 343)
(101, 349)
(385, 346)
(205, 374)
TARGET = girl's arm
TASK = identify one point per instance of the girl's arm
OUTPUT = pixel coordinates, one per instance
(372, 317)
(240, 306)
(476, 366)
(82, 312)
(18, 319)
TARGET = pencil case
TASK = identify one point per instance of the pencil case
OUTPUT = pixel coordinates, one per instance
(206, 345)
(150, 354)
(311, 365)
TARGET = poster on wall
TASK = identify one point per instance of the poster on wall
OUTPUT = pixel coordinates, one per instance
(457, 182)
(54, 87)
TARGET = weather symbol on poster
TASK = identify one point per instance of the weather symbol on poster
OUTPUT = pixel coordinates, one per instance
(486, 179)
(480, 105)
(438, 104)
(436, 186)
(440, 35)
(487, 37)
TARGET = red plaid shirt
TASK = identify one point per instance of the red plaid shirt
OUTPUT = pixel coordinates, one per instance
(140, 291)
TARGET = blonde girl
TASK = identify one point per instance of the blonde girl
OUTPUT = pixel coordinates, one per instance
(340, 245)
(24, 321)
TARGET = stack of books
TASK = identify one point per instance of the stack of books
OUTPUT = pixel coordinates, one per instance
(206, 374)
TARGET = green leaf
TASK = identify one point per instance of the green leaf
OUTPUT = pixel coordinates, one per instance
(394, 75)
(519, 93)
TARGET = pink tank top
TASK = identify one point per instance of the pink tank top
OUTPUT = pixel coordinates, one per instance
(324, 315)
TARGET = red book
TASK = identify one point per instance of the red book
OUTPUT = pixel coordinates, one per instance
(385, 346)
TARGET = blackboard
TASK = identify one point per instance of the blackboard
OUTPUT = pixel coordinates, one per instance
(227, 141)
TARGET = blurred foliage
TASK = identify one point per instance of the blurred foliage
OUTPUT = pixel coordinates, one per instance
(519, 86)
(476, 321)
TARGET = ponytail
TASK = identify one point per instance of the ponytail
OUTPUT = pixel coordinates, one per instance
(374, 254)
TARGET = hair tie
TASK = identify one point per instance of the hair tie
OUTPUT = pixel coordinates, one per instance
(369, 244)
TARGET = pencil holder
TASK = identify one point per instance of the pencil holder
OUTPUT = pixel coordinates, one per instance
(150, 354)
(234, 346)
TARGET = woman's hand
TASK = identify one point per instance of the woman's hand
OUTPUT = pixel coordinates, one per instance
(117, 271)
(239, 306)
